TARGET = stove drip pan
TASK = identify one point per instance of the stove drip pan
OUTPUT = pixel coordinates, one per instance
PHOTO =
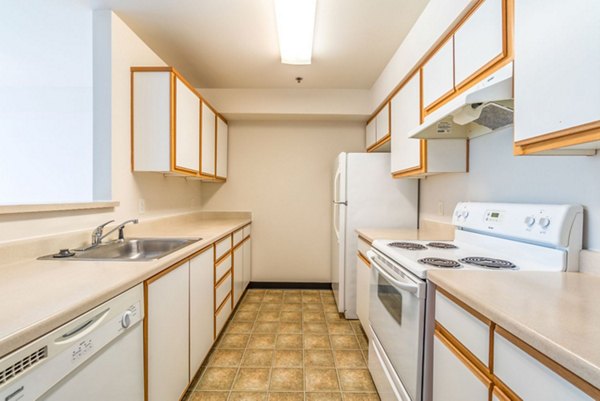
(488, 263)
(439, 262)
(442, 245)
(411, 246)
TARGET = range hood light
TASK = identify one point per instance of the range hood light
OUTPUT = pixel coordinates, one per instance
(295, 27)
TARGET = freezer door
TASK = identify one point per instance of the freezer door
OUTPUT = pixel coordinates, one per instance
(338, 230)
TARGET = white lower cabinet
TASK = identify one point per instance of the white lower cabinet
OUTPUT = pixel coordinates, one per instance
(238, 273)
(528, 378)
(247, 264)
(453, 378)
(363, 274)
(168, 342)
(201, 308)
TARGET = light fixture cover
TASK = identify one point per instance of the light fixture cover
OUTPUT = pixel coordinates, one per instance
(296, 26)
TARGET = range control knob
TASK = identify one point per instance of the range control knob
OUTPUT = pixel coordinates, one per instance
(544, 222)
(530, 221)
(466, 214)
(126, 319)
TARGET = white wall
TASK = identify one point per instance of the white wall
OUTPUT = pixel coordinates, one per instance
(497, 175)
(282, 171)
(163, 196)
(45, 102)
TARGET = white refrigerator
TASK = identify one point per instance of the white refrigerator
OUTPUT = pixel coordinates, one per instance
(364, 196)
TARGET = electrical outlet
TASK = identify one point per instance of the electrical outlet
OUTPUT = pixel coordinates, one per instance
(141, 206)
(440, 209)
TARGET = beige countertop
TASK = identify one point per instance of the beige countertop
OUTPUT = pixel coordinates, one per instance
(556, 313)
(39, 296)
(429, 231)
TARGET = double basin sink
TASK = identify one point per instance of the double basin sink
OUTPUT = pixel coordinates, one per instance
(132, 249)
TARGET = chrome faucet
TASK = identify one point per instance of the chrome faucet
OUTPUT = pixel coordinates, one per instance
(97, 235)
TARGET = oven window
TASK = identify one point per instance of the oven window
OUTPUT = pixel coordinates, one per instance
(390, 298)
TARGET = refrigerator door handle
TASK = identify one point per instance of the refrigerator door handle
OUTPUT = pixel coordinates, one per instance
(345, 203)
(335, 221)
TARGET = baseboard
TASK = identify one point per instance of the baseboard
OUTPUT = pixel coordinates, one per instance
(288, 286)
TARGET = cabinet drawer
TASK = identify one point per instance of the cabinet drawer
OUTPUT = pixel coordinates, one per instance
(222, 247)
(222, 316)
(529, 378)
(222, 268)
(238, 236)
(363, 246)
(472, 332)
(247, 230)
(223, 290)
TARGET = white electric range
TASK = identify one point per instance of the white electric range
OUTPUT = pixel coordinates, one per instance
(488, 236)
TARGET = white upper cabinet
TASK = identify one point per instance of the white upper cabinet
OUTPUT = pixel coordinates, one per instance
(222, 145)
(173, 130)
(187, 128)
(479, 42)
(556, 78)
(371, 133)
(438, 75)
(406, 115)
(208, 141)
(378, 131)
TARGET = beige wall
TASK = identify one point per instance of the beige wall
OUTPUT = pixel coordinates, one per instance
(281, 171)
(163, 196)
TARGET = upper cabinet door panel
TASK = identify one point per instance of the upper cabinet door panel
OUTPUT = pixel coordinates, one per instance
(222, 144)
(479, 41)
(383, 123)
(187, 128)
(406, 115)
(208, 141)
(557, 84)
(371, 133)
(438, 75)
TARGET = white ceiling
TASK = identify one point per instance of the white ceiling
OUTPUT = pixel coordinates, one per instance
(233, 43)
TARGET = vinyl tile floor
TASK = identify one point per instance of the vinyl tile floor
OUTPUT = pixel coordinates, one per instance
(287, 345)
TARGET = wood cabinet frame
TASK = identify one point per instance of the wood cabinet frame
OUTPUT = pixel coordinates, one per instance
(174, 74)
(499, 388)
(495, 64)
(584, 133)
(387, 137)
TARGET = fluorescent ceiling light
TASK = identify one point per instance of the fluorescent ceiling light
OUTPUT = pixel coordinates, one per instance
(296, 26)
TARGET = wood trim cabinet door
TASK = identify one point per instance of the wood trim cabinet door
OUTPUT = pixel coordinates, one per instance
(371, 133)
(529, 378)
(238, 273)
(438, 76)
(383, 123)
(454, 377)
(168, 335)
(247, 264)
(406, 116)
(556, 79)
(222, 145)
(208, 139)
(479, 42)
(187, 129)
(363, 277)
(201, 307)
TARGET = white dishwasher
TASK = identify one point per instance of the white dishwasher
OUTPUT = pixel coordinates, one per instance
(98, 356)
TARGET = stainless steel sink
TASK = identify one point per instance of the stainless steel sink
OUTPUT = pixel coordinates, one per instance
(131, 249)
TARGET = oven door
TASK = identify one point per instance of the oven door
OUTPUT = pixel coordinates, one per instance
(397, 319)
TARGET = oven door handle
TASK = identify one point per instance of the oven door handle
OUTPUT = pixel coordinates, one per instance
(412, 288)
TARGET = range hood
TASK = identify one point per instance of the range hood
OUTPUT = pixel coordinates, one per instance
(479, 110)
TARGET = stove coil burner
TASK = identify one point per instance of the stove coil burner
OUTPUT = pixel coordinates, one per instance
(411, 246)
(488, 263)
(439, 262)
(442, 245)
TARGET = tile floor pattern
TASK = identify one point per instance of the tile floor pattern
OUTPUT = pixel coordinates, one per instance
(287, 345)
